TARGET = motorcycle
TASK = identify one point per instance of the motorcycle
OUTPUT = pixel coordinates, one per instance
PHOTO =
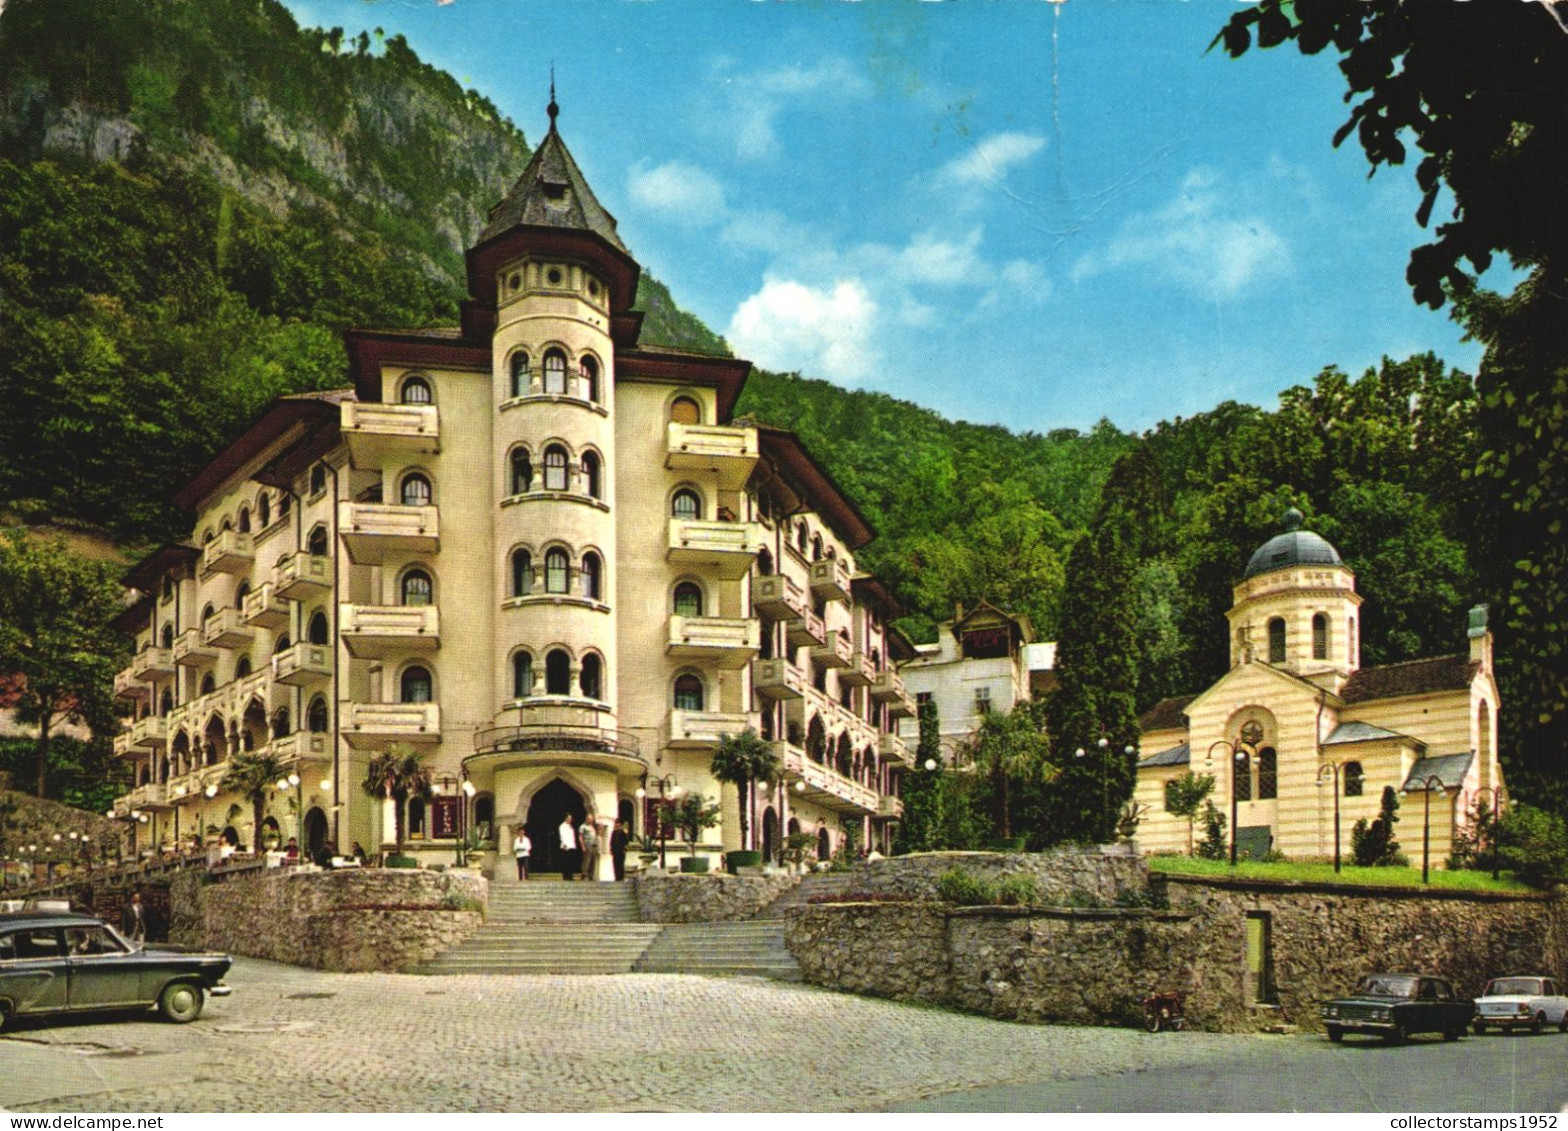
(1163, 1010)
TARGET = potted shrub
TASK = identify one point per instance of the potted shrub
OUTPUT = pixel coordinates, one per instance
(647, 851)
(692, 814)
(744, 858)
(798, 848)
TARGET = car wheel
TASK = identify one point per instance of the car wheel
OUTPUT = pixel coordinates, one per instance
(1480, 1029)
(1398, 1036)
(180, 1002)
(1538, 1024)
(1335, 1033)
(1562, 1025)
(1452, 1034)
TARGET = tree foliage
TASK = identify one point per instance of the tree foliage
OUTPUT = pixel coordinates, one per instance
(742, 760)
(254, 775)
(1373, 844)
(1184, 795)
(397, 773)
(1006, 749)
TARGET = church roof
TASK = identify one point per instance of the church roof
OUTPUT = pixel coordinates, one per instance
(1292, 548)
(1359, 732)
(1413, 677)
(1167, 714)
(1179, 755)
(1450, 769)
(553, 193)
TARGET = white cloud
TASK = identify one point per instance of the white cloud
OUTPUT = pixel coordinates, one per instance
(826, 332)
(758, 98)
(1201, 240)
(941, 262)
(681, 192)
(992, 159)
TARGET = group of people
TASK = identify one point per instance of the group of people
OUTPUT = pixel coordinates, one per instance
(578, 854)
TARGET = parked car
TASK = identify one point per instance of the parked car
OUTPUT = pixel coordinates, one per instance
(1528, 1001)
(1393, 1006)
(65, 961)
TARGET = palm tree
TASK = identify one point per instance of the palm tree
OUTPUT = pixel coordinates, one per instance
(254, 775)
(397, 773)
(1007, 748)
(742, 759)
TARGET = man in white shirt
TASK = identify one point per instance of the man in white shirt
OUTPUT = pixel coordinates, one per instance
(568, 849)
(522, 848)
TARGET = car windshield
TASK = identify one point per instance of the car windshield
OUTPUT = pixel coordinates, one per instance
(1501, 987)
(1388, 985)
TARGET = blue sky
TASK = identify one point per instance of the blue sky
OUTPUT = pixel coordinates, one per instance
(1020, 212)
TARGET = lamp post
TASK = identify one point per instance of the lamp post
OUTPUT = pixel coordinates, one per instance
(668, 788)
(294, 782)
(1334, 768)
(1104, 744)
(1430, 782)
(1240, 761)
(1499, 795)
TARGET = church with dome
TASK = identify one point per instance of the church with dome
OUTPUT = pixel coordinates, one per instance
(1304, 739)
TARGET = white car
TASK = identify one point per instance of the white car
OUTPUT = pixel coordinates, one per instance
(1531, 1002)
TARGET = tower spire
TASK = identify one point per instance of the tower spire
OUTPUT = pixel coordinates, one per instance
(553, 110)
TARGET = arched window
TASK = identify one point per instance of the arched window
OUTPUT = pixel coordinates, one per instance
(318, 479)
(208, 684)
(522, 471)
(802, 538)
(280, 723)
(592, 677)
(166, 704)
(416, 490)
(1319, 636)
(764, 562)
(590, 370)
(316, 720)
(684, 410)
(686, 504)
(816, 547)
(519, 374)
(244, 520)
(1268, 774)
(593, 577)
(1353, 653)
(281, 644)
(242, 667)
(417, 686)
(416, 818)
(168, 587)
(264, 511)
(1277, 640)
(555, 571)
(1353, 777)
(688, 693)
(1241, 779)
(555, 468)
(555, 372)
(417, 589)
(416, 390)
(557, 673)
(168, 636)
(522, 675)
(591, 482)
(206, 613)
(522, 573)
(283, 504)
(316, 544)
(319, 630)
(240, 594)
(816, 740)
(688, 599)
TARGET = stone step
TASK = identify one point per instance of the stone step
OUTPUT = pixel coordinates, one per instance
(749, 948)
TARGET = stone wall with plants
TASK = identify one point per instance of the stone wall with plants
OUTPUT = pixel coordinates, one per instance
(664, 898)
(348, 920)
(1069, 876)
(891, 950)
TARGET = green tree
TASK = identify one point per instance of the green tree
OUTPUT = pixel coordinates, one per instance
(1005, 749)
(1373, 845)
(1214, 846)
(56, 642)
(691, 814)
(742, 760)
(254, 775)
(399, 773)
(1184, 795)
(1533, 844)
(920, 829)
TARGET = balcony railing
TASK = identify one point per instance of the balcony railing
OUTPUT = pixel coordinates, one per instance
(153, 795)
(724, 549)
(553, 741)
(374, 432)
(151, 731)
(299, 576)
(902, 707)
(805, 630)
(301, 746)
(226, 629)
(256, 685)
(887, 686)
(382, 631)
(302, 664)
(729, 642)
(152, 663)
(835, 652)
(729, 452)
(889, 806)
(128, 686)
(122, 745)
(778, 596)
(265, 609)
(370, 726)
(229, 552)
(372, 530)
(828, 788)
(700, 730)
(777, 679)
(892, 748)
(830, 579)
(859, 672)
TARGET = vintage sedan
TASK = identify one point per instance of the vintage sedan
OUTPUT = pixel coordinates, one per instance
(1529, 1001)
(1393, 1006)
(65, 962)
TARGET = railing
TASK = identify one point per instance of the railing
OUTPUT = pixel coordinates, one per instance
(263, 607)
(728, 547)
(398, 527)
(708, 636)
(410, 721)
(302, 575)
(153, 730)
(225, 628)
(830, 579)
(128, 686)
(704, 728)
(729, 451)
(860, 670)
(231, 551)
(150, 662)
(778, 595)
(807, 628)
(390, 421)
(557, 738)
(302, 744)
(821, 779)
(302, 664)
(777, 679)
(191, 650)
(887, 685)
(398, 621)
(835, 652)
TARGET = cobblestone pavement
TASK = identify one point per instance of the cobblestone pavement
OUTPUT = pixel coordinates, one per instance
(292, 1039)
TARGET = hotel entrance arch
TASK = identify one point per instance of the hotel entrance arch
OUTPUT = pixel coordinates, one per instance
(549, 805)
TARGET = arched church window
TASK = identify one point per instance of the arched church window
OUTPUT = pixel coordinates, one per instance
(1277, 640)
(1319, 636)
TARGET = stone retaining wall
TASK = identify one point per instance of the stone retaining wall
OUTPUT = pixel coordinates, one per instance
(892, 950)
(1070, 875)
(695, 898)
(347, 920)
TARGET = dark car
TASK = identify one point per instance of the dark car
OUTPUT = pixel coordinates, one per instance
(1393, 1006)
(64, 962)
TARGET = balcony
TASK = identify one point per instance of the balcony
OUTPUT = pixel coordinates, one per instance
(373, 530)
(152, 663)
(300, 576)
(377, 432)
(830, 579)
(153, 795)
(891, 748)
(151, 732)
(720, 549)
(373, 632)
(777, 679)
(301, 746)
(805, 630)
(123, 747)
(726, 641)
(127, 686)
(701, 730)
(778, 597)
(257, 685)
(835, 652)
(372, 726)
(888, 686)
(554, 735)
(890, 806)
(901, 708)
(302, 665)
(265, 609)
(860, 672)
(226, 629)
(730, 453)
(827, 788)
(229, 552)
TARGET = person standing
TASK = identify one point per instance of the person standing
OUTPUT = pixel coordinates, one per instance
(588, 838)
(568, 848)
(522, 848)
(133, 921)
(618, 843)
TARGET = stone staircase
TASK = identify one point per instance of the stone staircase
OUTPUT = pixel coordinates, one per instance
(753, 948)
(813, 884)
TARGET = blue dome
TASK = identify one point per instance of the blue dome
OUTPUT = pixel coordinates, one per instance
(1292, 548)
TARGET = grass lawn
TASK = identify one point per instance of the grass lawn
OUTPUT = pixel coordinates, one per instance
(1324, 873)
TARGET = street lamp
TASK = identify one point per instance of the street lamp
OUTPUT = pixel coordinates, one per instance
(284, 785)
(668, 788)
(1334, 768)
(1429, 782)
(1240, 762)
(1104, 744)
